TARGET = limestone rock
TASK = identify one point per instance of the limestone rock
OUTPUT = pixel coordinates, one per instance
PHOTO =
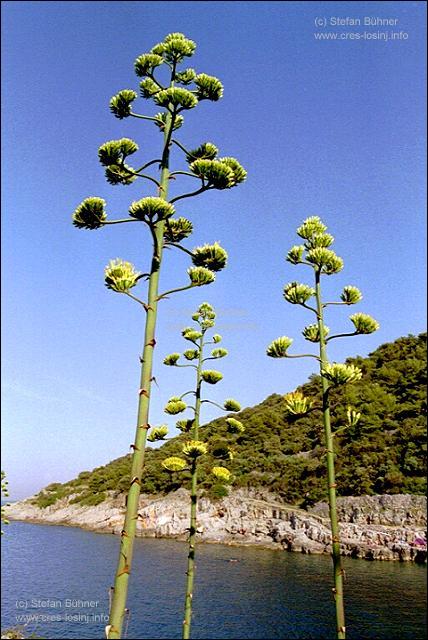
(389, 527)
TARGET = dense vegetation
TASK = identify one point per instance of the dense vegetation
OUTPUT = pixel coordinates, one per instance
(384, 453)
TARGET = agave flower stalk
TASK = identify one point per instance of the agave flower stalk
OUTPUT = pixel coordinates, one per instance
(190, 573)
(194, 449)
(315, 253)
(4, 494)
(156, 212)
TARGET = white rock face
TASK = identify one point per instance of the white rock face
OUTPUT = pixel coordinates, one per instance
(372, 527)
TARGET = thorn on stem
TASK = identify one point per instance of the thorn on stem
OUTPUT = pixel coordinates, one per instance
(124, 570)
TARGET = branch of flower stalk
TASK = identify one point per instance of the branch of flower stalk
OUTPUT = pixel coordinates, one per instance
(187, 392)
(306, 306)
(152, 77)
(186, 365)
(178, 246)
(157, 161)
(168, 293)
(342, 335)
(305, 262)
(303, 355)
(182, 147)
(319, 408)
(120, 221)
(183, 173)
(215, 404)
(130, 295)
(142, 175)
(345, 426)
(192, 193)
(137, 115)
(328, 304)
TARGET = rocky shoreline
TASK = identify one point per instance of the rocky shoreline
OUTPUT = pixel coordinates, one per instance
(388, 527)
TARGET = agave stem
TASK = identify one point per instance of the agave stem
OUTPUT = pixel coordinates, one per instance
(137, 115)
(148, 164)
(120, 592)
(130, 295)
(337, 561)
(178, 246)
(182, 147)
(186, 365)
(190, 573)
(342, 335)
(168, 293)
(186, 393)
(214, 403)
(146, 177)
(183, 173)
(120, 221)
(192, 193)
(307, 306)
(330, 304)
(152, 77)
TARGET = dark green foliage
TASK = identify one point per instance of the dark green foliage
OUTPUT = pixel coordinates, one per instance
(92, 499)
(45, 500)
(217, 491)
(384, 453)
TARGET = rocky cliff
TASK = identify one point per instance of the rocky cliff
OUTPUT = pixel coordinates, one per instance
(389, 527)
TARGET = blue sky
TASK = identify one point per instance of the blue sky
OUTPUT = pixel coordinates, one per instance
(335, 129)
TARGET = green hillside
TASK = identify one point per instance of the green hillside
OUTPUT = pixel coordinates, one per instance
(384, 453)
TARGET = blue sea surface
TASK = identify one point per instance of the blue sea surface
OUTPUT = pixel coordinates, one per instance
(56, 580)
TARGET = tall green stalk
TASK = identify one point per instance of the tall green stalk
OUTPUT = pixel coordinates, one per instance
(190, 573)
(210, 172)
(120, 591)
(331, 480)
(316, 254)
(195, 449)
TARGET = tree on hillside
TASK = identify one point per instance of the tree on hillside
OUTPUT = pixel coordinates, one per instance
(175, 92)
(315, 253)
(195, 449)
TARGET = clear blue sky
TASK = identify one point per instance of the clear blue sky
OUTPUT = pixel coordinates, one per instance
(334, 129)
